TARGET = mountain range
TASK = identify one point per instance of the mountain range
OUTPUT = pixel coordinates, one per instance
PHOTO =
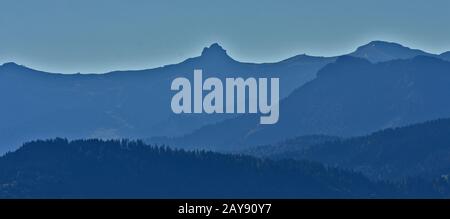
(136, 104)
(133, 104)
(350, 97)
(419, 150)
(370, 124)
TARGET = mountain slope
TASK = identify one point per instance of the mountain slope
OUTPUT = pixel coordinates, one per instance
(445, 56)
(124, 103)
(289, 149)
(113, 169)
(350, 97)
(136, 104)
(417, 150)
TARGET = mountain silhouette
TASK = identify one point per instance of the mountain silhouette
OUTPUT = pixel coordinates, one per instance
(419, 150)
(130, 169)
(133, 104)
(215, 51)
(350, 97)
(136, 104)
(379, 51)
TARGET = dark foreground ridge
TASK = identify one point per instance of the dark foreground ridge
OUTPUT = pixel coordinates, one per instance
(131, 169)
(418, 150)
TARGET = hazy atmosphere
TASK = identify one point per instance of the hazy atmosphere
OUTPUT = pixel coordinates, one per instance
(100, 36)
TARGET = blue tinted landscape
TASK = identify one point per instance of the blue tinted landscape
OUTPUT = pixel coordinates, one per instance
(356, 104)
(374, 123)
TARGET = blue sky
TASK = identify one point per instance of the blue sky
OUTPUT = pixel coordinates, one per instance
(102, 35)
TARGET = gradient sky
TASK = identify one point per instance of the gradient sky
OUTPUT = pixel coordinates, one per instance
(92, 36)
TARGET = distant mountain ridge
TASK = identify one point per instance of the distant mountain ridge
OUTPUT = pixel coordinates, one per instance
(134, 104)
(350, 97)
(380, 51)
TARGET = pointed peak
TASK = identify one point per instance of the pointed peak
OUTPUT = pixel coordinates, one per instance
(214, 50)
